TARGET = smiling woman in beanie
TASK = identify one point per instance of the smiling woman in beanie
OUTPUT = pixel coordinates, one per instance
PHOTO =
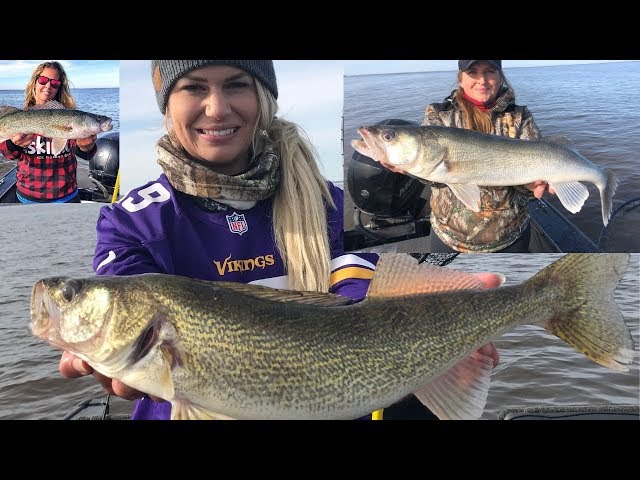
(240, 199)
(486, 102)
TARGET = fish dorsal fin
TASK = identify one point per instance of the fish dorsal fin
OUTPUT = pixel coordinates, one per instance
(182, 410)
(561, 140)
(7, 110)
(283, 296)
(467, 193)
(50, 105)
(400, 274)
(461, 392)
(572, 195)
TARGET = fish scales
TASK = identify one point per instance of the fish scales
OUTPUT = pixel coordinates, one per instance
(522, 161)
(465, 160)
(244, 351)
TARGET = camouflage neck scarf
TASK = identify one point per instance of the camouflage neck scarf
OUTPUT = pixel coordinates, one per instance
(188, 176)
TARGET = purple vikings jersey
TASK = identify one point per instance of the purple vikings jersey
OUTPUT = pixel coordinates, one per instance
(156, 229)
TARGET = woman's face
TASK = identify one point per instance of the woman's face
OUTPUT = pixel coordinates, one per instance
(481, 81)
(47, 92)
(213, 112)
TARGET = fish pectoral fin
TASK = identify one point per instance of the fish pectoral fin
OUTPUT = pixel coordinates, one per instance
(572, 195)
(467, 193)
(183, 410)
(461, 392)
(57, 145)
(400, 274)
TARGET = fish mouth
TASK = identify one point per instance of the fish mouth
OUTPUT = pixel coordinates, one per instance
(364, 144)
(45, 314)
(374, 135)
(367, 133)
(368, 146)
(105, 125)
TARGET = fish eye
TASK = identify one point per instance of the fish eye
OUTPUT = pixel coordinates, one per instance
(388, 135)
(69, 290)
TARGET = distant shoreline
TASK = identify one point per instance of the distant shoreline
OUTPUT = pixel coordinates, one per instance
(506, 68)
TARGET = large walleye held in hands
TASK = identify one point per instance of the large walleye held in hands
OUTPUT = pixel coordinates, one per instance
(465, 159)
(227, 350)
(51, 120)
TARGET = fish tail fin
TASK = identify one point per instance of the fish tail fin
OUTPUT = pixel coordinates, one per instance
(589, 319)
(606, 194)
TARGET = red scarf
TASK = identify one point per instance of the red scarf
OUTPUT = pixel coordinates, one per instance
(484, 106)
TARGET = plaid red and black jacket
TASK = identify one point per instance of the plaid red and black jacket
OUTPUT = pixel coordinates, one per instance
(42, 176)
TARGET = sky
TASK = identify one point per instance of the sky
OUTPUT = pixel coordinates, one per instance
(15, 74)
(310, 93)
(367, 67)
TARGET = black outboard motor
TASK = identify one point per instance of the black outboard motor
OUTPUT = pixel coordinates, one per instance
(103, 167)
(390, 198)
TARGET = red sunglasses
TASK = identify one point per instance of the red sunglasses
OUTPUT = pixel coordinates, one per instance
(42, 80)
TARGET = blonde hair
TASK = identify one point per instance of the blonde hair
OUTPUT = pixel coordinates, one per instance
(299, 218)
(473, 118)
(63, 95)
(300, 226)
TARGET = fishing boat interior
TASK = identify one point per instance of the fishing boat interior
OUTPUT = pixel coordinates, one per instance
(408, 409)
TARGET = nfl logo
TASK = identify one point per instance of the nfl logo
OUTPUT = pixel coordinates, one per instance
(237, 223)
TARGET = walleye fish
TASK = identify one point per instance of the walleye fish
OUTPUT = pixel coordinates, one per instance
(228, 350)
(51, 120)
(465, 159)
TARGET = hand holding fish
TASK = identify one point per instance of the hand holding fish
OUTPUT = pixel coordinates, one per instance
(73, 367)
(490, 351)
(538, 188)
(23, 139)
(86, 144)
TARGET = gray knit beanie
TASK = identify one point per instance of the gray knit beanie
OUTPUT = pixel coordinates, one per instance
(165, 74)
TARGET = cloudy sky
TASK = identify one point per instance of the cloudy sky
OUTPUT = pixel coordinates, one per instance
(15, 74)
(309, 93)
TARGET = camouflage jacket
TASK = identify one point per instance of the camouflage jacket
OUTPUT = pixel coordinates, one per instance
(503, 214)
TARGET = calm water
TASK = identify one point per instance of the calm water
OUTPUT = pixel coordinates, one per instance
(50, 240)
(596, 106)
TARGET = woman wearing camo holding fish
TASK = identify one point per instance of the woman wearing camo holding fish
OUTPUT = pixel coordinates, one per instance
(43, 176)
(485, 102)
